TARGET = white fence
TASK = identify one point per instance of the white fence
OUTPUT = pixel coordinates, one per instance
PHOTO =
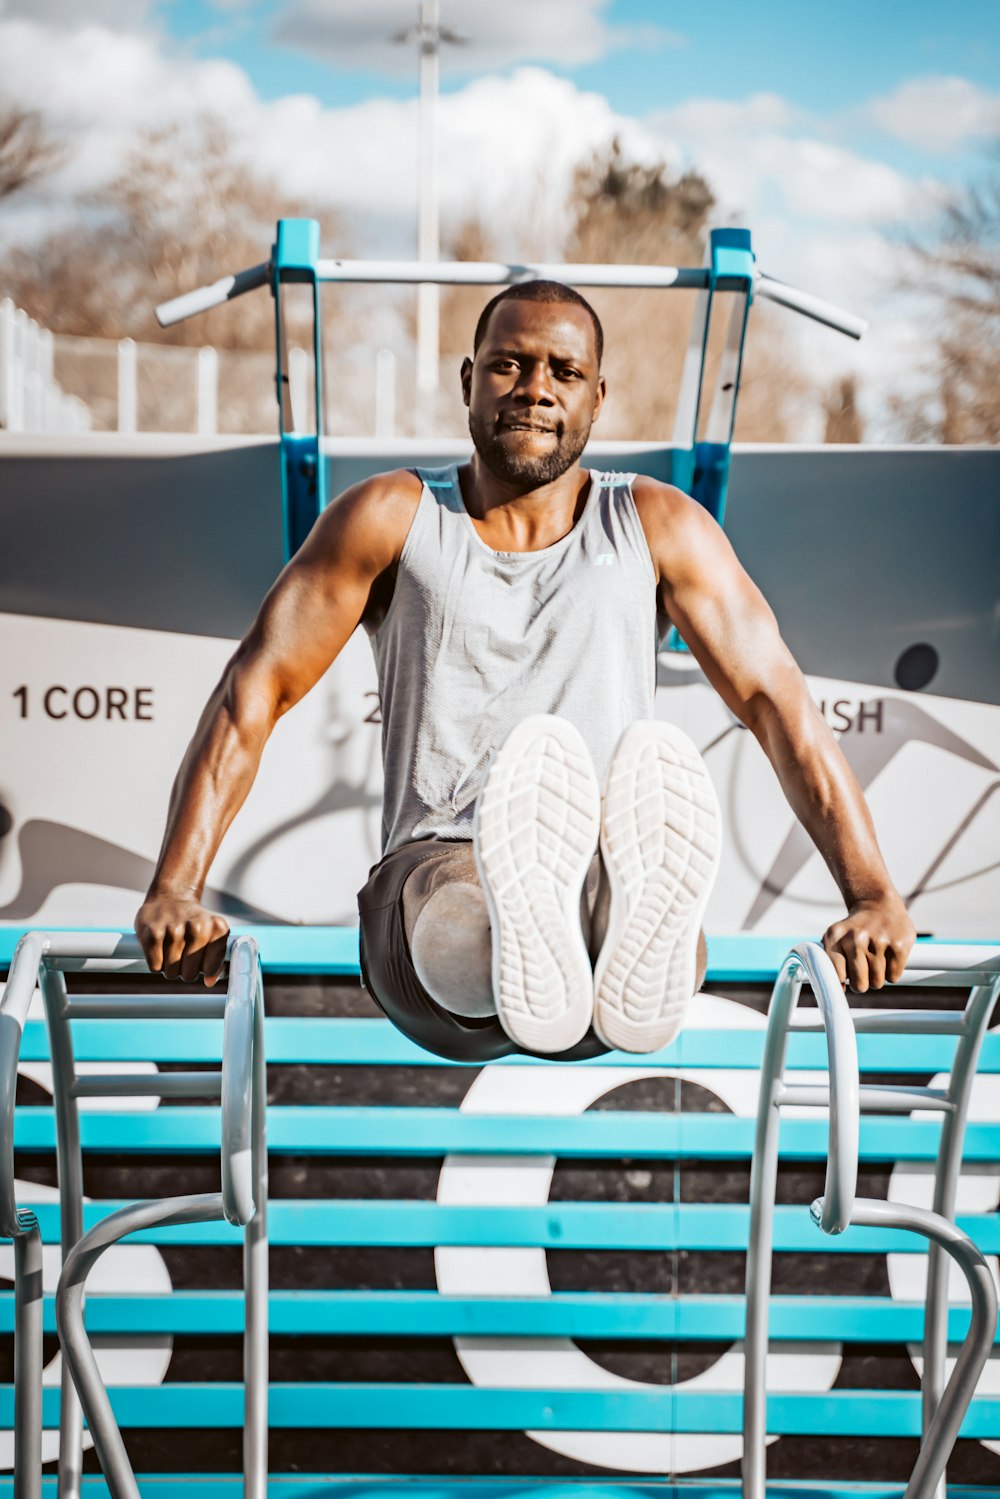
(31, 400)
(64, 383)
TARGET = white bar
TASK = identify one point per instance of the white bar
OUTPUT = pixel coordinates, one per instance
(128, 398)
(810, 306)
(208, 391)
(503, 273)
(385, 393)
(298, 388)
(898, 1100)
(205, 297)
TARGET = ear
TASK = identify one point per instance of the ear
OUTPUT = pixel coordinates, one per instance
(602, 391)
(466, 379)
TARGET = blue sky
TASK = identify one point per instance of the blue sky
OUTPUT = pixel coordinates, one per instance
(828, 130)
(826, 60)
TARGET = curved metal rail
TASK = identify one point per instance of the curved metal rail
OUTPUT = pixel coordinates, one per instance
(845, 1096)
(505, 273)
(41, 960)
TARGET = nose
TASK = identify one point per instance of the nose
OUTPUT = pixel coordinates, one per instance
(533, 387)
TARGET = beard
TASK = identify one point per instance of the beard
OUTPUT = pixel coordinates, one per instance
(529, 469)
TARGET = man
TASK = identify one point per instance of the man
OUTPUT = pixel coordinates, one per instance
(514, 604)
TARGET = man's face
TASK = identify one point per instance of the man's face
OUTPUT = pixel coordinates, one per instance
(533, 390)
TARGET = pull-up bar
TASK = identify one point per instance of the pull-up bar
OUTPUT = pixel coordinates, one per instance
(504, 273)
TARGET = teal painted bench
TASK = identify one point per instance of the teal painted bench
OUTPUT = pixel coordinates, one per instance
(544, 1126)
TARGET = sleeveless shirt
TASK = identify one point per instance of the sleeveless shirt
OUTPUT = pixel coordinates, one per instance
(474, 640)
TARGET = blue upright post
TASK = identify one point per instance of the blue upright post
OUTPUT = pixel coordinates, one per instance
(303, 474)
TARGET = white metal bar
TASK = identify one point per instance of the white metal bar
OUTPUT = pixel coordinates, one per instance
(887, 1098)
(208, 391)
(507, 273)
(148, 1085)
(128, 398)
(145, 1007)
(205, 297)
(814, 307)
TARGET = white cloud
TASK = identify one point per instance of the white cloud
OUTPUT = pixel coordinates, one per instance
(760, 155)
(128, 15)
(937, 113)
(566, 32)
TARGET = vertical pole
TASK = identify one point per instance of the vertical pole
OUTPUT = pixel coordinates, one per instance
(69, 1162)
(208, 391)
(428, 304)
(128, 404)
(760, 1241)
(7, 311)
(385, 393)
(255, 1277)
(947, 1171)
(28, 1362)
(298, 389)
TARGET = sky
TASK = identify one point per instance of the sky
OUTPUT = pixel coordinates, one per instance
(829, 130)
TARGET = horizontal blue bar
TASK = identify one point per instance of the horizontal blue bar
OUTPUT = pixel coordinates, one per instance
(618, 1315)
(465, 1407)
(319, 1129)
(347, 1042)
(558, 1225)
(403, 1486)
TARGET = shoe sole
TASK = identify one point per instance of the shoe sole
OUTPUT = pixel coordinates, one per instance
(535, 832)
(661, 840)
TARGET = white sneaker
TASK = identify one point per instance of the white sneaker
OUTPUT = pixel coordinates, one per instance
(661, 838)
(537, 822)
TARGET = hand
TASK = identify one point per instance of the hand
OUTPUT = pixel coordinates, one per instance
(871, 944)
(181, 939)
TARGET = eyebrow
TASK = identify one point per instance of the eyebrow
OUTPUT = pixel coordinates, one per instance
(504, 352)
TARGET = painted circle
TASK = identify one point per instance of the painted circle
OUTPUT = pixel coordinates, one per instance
(558, 1362)
(912, 1183)
(916, 667)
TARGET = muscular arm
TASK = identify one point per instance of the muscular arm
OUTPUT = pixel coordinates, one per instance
(304, 622)
(734, 636)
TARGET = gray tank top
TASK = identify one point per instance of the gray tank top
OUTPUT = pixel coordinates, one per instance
(475, 640)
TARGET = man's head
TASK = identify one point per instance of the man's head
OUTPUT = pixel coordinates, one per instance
(534, 386)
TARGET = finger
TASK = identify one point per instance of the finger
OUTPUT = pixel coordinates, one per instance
(836, 958)
(196, 937)
(857, 969)
(895, 964)
(876, 964)
(173, 948)
(215, 957)
(151, 939)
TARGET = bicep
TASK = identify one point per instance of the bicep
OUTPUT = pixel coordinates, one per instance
(725, 620)
(315, 605)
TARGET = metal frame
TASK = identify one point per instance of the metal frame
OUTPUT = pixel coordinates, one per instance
(42, 959)
(845, 1097)
(700, 463)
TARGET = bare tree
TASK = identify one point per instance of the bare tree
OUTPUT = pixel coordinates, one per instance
(842, 420)
(185, 208)
(27, 151)
(959, 266)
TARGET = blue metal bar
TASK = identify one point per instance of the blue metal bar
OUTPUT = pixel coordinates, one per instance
(405, 1132)
(558, 1225)
(375, 1486)
(392, 1407)
(586, 1314)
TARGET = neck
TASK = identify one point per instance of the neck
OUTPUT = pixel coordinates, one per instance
(489, 498)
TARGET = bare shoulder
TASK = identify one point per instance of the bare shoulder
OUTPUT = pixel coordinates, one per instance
(368, 522)
(678, 530)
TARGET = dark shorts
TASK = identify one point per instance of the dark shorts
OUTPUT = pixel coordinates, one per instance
(388, 974)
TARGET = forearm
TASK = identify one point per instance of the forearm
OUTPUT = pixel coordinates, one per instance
(824, 794)
(212, 784)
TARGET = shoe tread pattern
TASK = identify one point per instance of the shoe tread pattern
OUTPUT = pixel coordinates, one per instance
(661, 841)
(537, 826)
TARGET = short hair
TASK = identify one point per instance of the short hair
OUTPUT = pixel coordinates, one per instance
(539, 291)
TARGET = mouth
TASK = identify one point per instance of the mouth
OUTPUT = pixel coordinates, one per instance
(525, 427)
